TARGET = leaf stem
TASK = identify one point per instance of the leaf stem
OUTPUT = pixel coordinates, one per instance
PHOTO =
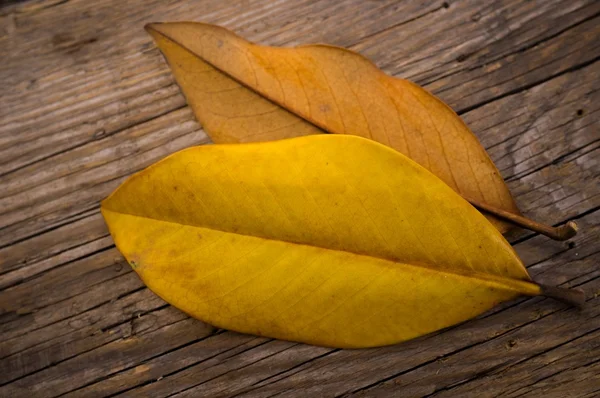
(574, 297)
(562, 232)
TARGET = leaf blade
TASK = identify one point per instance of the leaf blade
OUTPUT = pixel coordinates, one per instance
(180, 230)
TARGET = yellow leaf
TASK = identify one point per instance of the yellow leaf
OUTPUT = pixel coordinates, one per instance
(243, 92)
(331, 240)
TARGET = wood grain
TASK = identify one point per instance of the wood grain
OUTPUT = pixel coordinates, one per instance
(86, 100)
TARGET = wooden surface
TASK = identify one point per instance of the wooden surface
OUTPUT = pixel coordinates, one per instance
(86, 99)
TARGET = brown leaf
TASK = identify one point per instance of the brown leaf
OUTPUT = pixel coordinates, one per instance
(243, 92)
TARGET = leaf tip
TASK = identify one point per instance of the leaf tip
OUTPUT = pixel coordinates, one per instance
(151, 27)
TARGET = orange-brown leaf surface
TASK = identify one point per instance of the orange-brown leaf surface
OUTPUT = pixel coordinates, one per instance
(329, 239)
(243, 92)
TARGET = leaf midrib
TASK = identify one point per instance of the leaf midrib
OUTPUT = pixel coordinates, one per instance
(502, 282)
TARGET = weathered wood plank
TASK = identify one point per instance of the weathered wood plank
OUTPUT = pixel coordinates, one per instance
(118, 319)
(212, 352)
(99, 103)
(47, 245)
(92, 297)
(112, 357)
(561, 384)
(532, 373)
(524, 66)
(533, 141)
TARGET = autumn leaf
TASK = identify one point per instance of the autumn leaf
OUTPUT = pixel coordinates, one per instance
(331, 240)
(243, 92)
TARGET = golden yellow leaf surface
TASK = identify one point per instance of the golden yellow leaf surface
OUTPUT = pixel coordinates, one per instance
(244, 92)
(331, 240)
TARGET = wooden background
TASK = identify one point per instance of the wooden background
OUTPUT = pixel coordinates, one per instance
(86, 99)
